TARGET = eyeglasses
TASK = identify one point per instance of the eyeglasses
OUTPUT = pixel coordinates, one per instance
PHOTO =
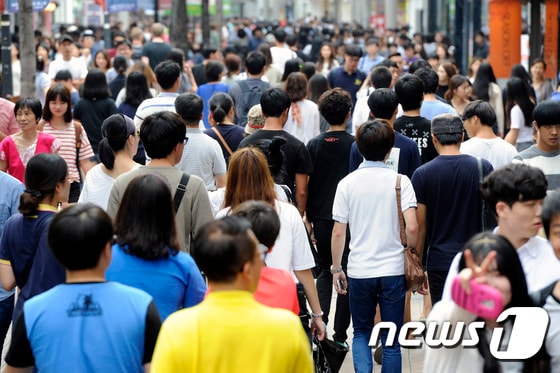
(263, 250)
(185, 140)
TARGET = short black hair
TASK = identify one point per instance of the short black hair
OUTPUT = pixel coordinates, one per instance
(430, 79)
(353, 50)
(167, 72)
(264, 220)
(516, 182)
(546, 113)
(550, 210)
(280, 35)
(207, 51)
(63, 75)
(213, 70)
(334, 105)
(483, 110)
(382, 103)
(410, 91)
(381, 77)
(222, 247)
(274, 102)
(160, 133)
(85, 226)
(418, 64)
(31, 103)
(189, 106)
(375, 140)
(255, 62)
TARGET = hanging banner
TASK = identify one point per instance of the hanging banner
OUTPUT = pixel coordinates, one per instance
(505, 33)
(38, 5)
(551, 39)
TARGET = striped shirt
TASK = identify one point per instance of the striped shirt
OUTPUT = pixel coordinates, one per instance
(165, 101)
(67, 138)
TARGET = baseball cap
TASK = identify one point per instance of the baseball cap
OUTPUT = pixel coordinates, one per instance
(447, 124)
(65, 37)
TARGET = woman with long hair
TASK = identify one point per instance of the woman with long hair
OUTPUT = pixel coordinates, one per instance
(75, 147)
(136, 91)
(316, 86)
(101, 61)
(249, 179)
(146, 253)
(519, 114)
(327, 59)
(293, 65)
(16, 150)
(491, 260)
(120, 65)
(444, 71)
(303, 118)
(116, 152)
(221, 115)
(150, 76)
(96, 105)
(458, 92)
(272, 73)
(26, 259)
(543, 87)
(486, 89)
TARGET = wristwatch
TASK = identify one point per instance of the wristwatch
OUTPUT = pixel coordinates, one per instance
(336, 269)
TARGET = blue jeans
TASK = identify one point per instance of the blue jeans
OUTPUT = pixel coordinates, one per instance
(364, 295)
(6, 310)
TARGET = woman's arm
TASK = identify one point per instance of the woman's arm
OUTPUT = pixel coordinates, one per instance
(7, 276)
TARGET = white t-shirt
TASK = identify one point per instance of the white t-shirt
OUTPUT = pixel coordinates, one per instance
(77, 67)
(203, 157)
(310, 121)
(217, 198)
(291, 250)
(497, 151)
(281, 55)
(97, 187)
(525, 133)
(366, 200)
(361, 112)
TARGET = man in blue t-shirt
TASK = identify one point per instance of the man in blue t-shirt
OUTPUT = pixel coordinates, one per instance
(86, 324)
(449, 201)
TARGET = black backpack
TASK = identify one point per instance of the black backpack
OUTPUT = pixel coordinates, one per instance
(249, 98)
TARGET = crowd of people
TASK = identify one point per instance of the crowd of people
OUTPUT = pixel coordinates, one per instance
(194, 210)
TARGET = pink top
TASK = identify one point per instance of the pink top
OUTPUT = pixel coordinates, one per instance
(17, 158)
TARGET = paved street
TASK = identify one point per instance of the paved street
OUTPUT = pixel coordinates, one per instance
(412, 358)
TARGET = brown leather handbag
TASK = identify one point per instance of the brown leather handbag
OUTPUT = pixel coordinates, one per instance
(413, 272)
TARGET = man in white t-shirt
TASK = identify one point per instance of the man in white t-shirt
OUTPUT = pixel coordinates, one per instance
(77, 66)
(515, 193)
(202, 156)
(281, 52)
(478, 119)
(365, 201)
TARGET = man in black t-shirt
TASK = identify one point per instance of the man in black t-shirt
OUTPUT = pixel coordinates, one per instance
(410, 90)
(275, 105)
(330, 154)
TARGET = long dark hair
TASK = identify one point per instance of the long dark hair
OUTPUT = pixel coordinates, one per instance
(115, 131)
(518, 94)
(508, 265)
(95, 85)
(484, 76)
(136, 89)
(220, 105)
(42, 174)
(54, 92)
(145, 222)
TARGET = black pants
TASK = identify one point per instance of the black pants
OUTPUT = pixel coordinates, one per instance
(75, 190)
(437, 282)
(323, 233)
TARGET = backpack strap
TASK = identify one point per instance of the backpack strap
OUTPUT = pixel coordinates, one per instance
(222, 140)
(181, 189)
(243, 85)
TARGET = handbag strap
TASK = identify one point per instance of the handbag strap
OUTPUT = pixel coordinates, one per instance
(483, 221)
(222, 140)
(399, 211)
(181, 189)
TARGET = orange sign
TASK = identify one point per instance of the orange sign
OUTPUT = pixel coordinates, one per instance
(505, 33)
(551, 39)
